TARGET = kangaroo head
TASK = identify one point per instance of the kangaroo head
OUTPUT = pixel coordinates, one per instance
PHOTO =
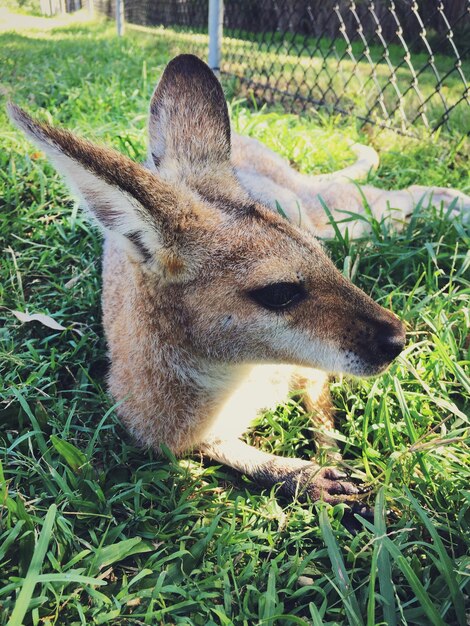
(243, 283)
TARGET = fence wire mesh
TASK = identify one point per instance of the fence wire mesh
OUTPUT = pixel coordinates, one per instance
(400, 64)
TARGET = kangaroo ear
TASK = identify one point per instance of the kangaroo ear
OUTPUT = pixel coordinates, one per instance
(134, 204)
(189, 123)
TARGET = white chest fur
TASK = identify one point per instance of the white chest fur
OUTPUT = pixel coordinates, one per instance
(257, 388)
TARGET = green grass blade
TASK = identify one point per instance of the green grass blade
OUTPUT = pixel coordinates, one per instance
(31, 579)
(333, 223)
(385, 413)
(70, 577)
(455, 368)
(444, 562)
(374, 224)
(371, 621)
(414, 218)
(420, 592)
(343, 581)
(107, 555)
(10, 537)
(189, 561)
(39, 435)
(281, 211)
(74, 457)
(315, 615)
(384, 566)
(270, 597)
(410, 427)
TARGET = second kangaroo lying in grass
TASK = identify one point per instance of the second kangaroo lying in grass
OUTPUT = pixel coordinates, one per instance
(214, 305)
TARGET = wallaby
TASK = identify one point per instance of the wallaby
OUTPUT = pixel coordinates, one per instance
(271, 180)
(214, 305)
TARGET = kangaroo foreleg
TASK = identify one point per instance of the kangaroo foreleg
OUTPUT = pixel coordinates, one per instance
(296, 477)
(311, 386)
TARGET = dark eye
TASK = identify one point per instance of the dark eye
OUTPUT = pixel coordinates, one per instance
(278, 295)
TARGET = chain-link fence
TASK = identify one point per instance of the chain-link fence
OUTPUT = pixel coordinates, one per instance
(400, 64)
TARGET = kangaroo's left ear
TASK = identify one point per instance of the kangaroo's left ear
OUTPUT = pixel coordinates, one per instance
(189, 127)
(146, 214)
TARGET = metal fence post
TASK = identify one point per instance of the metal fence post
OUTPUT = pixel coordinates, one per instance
(216, 19)
(120, 17)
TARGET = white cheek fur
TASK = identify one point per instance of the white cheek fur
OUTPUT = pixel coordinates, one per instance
(319, 353)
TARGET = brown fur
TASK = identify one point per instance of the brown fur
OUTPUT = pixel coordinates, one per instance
(188, 245)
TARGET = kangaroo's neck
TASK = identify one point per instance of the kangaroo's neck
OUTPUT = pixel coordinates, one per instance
(168, 392)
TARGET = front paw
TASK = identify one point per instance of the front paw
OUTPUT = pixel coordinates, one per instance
(327, 484)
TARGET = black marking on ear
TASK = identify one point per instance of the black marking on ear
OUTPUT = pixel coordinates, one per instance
(157, 160)
(136, 239)
(244, 206)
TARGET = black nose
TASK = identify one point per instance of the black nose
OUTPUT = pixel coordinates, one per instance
(391, 342)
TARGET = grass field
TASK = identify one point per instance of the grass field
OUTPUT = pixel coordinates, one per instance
(94, 530)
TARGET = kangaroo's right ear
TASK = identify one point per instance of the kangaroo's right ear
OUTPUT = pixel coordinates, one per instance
(189, 123)
(126, 198)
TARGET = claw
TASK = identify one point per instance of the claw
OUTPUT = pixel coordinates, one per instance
(342, 488)
(325, 483)
(328, 484)
(333, 473)
(359, 508)
(351, 523)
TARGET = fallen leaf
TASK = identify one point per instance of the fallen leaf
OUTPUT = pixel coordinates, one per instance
(46, 320)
